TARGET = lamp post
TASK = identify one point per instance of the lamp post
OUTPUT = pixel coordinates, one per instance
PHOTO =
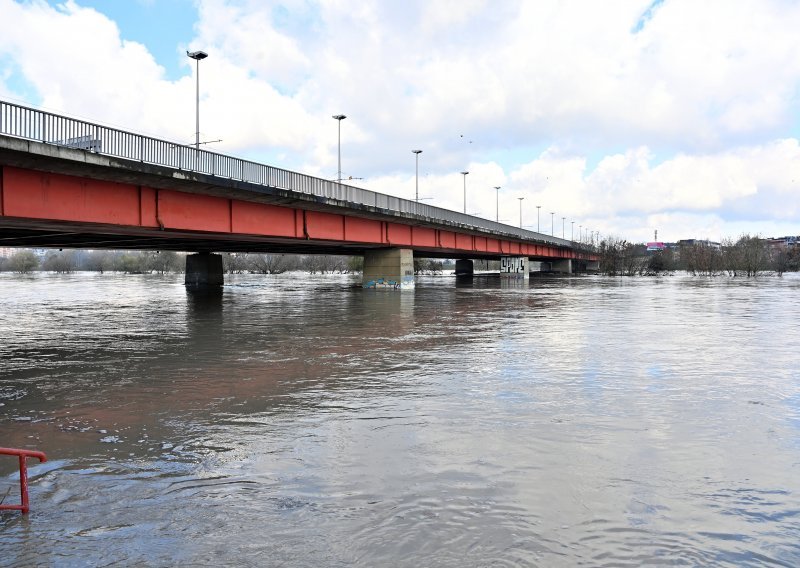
(340, 118)
(580, 234)
(520, 211)
(465, 190)
(563, 220)
(572, 231)
(537, 218)
(497, 203)
(552, 226)
(416, 183)
(197, 56)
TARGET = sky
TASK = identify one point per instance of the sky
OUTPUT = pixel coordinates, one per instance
(622, 117)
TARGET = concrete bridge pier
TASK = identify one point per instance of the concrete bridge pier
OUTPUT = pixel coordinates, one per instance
(564, 266)
(514, 267)
(389, 268)
(203, 270)
(464, 267)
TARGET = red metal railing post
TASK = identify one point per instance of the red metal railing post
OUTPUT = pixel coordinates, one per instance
(23, 484)
(23, 456)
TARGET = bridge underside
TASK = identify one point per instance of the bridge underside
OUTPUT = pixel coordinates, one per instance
(59, 197)
(63, 235)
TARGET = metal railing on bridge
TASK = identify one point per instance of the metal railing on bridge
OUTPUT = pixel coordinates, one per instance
(37, 125)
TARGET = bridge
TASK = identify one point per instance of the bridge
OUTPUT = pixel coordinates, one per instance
(68, 183)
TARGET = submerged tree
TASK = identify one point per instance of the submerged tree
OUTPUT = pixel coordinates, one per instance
(748, 256)
(24, 261)
(427, 266)
(619, 257)
(60, 261)
(235, 262)
(165, 261)
(701, 258)
(268, 263)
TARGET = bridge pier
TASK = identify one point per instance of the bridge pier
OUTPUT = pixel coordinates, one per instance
(563, 266)
(203, 270)
(464, 267)
(389, 268)
(515, 267)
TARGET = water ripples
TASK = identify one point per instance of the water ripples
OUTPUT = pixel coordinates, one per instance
(571, 422)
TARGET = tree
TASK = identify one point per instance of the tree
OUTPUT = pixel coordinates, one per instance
(165, 261)
(60, 261)
(356, 264)
(793, 258)
(748, 256)
(314, 263)
(234, 262)
(130, 263)
(99, 261)
(427, 266)
(24, 261)
(268, 263)
(703, 259)
(619, 257)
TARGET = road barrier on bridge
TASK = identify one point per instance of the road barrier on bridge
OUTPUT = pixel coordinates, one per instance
(23, 456)
(40, 126)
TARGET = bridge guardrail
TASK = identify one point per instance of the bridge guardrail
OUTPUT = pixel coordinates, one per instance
(41, 126)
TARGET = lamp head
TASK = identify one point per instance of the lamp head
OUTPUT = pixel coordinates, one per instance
(197, 55)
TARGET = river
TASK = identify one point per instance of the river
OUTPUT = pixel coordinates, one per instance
(300, 420)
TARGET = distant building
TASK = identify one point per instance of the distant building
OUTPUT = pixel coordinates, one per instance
(655, 246)
(699, 242)
(7, 252)
(782, 243)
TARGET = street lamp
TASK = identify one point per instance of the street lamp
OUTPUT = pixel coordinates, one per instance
(197, 56)
(572, 231)
(563, 220)
(340, 118)
(537, 218)
(520, 211)
(552, 230)
(580, 233)
(497, 199)
(416, 184)
(465, 190)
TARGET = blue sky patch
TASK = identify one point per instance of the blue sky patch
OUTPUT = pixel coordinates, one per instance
(165, 27)
(16, 82)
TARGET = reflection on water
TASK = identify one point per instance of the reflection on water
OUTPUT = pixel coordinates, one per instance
(309, 422)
